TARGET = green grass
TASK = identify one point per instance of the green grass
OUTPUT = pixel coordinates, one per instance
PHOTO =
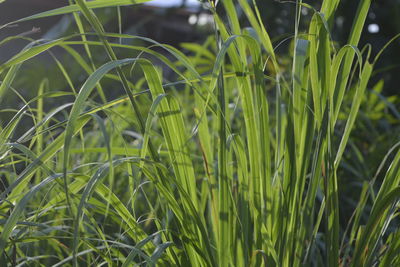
(237, 162)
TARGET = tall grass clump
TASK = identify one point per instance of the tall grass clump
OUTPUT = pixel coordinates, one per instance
(234, 163)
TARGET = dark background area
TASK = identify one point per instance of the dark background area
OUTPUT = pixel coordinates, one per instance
(171, 26)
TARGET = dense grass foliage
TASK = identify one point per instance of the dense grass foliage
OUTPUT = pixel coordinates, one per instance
(234, 162)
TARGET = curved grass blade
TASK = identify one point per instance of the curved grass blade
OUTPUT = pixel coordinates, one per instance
(19, 209)
(75, 8)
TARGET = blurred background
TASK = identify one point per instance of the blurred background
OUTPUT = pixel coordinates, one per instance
(177, 21)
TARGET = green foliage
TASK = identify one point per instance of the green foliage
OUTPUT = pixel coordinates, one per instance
(241, 161)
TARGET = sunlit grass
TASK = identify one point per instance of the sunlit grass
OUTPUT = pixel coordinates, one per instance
(234, 163)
